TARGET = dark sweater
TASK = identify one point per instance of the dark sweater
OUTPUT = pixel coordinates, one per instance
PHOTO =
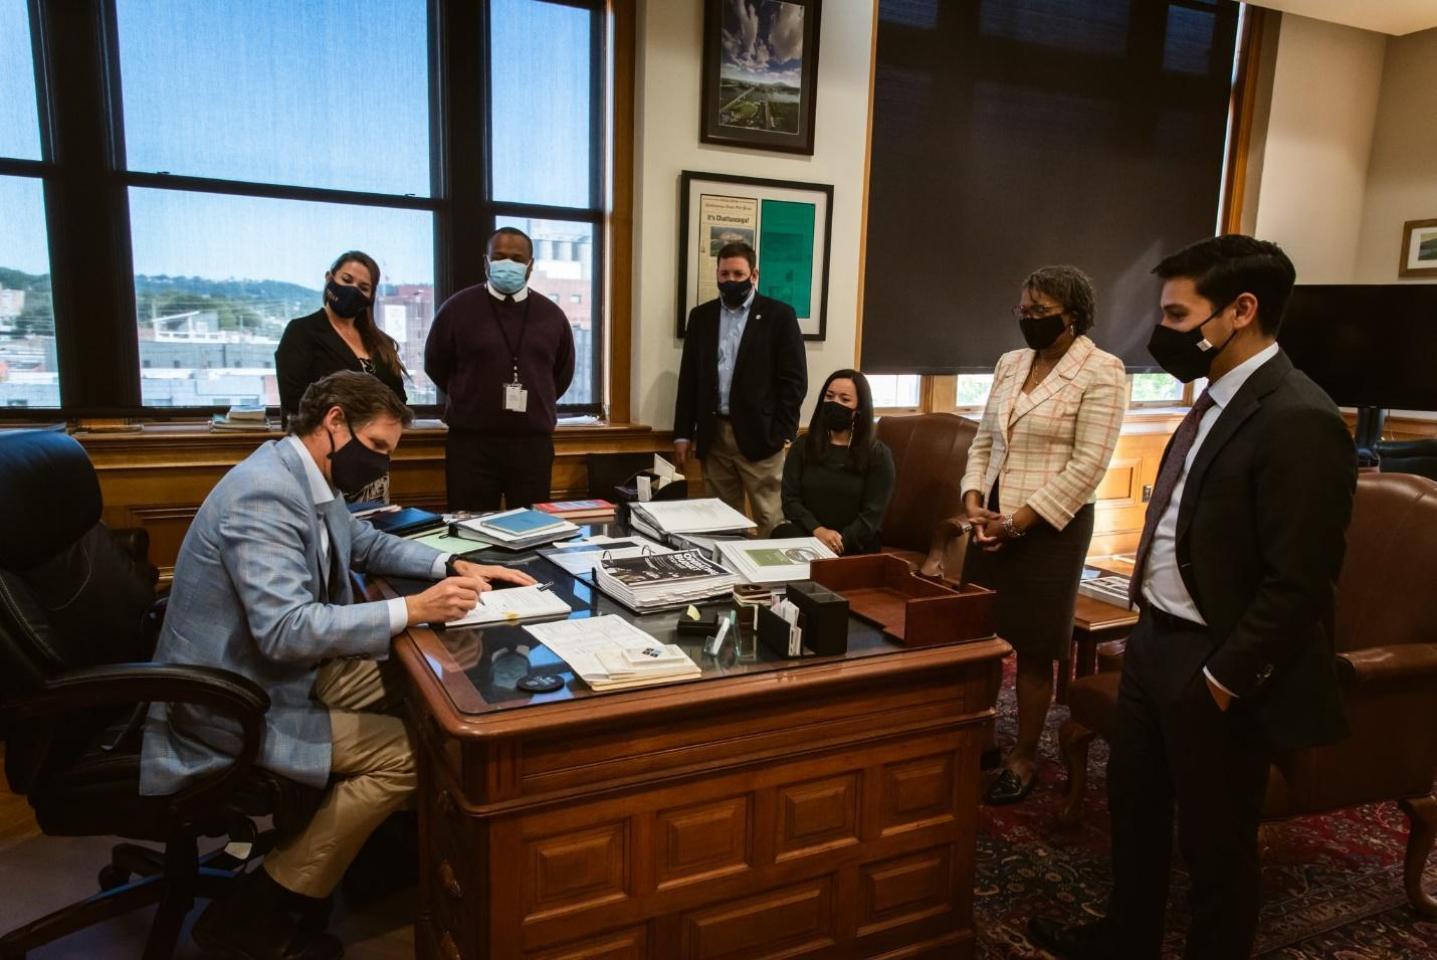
(832, 494)
(467, 358)
(311, 350)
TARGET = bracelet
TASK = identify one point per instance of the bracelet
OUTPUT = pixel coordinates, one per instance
(1011, 528)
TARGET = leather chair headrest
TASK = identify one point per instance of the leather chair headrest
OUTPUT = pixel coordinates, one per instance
(49, 496)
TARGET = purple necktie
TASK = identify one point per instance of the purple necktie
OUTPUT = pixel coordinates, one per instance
(1173, 467)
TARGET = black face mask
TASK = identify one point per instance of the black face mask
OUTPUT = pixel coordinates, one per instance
(345, 301)
(836, 416)
(1186, 354)
(1040, 332)
(734, 292)
(354, 466)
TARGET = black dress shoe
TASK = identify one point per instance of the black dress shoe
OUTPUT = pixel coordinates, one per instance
(1009, 788)
(1090, 941)
(253, 923)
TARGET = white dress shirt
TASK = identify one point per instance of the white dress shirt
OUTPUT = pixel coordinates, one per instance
(321, 493)
(1163, 585)
(731, 326)
(516, 297)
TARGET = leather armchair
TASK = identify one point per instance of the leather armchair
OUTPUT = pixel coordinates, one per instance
(1387, 663)
(930, 453)
(78, 621)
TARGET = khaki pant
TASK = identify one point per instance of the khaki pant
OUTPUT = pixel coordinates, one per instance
(728, 475)
(372, 771)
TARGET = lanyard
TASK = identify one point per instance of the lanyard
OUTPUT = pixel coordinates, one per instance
(523, 329)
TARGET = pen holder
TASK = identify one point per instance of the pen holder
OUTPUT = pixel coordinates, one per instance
(822, 616)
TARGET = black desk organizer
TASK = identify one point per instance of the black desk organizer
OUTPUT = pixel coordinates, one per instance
(822, 616)
(626, 494)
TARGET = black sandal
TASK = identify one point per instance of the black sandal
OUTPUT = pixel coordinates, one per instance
(1008, 788)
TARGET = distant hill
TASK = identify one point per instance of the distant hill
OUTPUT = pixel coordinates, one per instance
(273, 290)
(20, 280)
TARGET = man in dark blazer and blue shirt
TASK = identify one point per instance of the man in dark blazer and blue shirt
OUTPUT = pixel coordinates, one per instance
(1236, 576)
(741, 387)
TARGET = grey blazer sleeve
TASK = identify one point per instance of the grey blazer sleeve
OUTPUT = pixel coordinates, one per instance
(384, 553)
(262, 539)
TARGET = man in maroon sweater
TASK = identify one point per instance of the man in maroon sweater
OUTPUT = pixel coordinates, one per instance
(503, 356)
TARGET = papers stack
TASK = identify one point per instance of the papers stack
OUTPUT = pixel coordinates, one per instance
(516, 529)
(578, 509)
(661, 518)
(610, 653)
(581, 557)
(772, 561)
(512, 605)
(662, 581)
(241, 416)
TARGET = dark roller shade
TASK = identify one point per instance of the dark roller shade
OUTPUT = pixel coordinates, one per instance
(1009, 134)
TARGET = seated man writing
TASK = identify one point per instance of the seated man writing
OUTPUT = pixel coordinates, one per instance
(262, 587)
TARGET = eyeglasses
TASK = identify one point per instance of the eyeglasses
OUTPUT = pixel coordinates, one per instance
(1020, 314)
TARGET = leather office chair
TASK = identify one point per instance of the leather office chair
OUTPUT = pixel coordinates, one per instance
(78, 618)
(930, 453)
(1387, 662)
(1408, 456)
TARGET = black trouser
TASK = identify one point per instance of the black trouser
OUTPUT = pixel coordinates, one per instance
(1173, 744)
(480, 468)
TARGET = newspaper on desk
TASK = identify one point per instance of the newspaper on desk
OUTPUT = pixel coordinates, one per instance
(610, 653)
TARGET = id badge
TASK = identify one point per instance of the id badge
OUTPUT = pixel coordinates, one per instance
(516, 398)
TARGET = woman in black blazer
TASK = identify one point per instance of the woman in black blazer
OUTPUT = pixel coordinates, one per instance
(341, 335)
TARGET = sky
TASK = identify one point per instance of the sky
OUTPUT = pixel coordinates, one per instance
(310, 93)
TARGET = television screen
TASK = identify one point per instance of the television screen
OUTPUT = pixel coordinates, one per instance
(1368, 345)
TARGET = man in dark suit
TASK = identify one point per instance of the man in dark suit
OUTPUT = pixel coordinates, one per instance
(741, 387)
(1236, 573)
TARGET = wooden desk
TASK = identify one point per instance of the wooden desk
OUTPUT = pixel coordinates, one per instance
(822, 809)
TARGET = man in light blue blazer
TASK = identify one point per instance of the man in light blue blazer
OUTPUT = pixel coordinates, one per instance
(262, 588)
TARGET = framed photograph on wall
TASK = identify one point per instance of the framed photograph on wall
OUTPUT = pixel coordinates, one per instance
(760, 68)
(787, 223)
(1419, 249)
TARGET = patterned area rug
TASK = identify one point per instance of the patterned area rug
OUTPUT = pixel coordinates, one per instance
(1332, 885)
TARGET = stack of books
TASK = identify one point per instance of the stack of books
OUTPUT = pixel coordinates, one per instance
(578, 509)
(773, 561)
(515, 529)
(1111, 588)
(663, 581)
(241, 416)
(668, 519)
(610, 653)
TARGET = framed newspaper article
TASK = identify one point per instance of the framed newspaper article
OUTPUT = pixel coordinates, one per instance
(786, 222)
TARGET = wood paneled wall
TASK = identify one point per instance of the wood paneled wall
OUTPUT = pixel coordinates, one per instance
(157, 479)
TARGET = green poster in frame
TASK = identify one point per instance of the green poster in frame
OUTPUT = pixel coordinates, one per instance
(785, 253)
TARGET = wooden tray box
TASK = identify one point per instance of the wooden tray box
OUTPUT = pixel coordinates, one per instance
(914, 610)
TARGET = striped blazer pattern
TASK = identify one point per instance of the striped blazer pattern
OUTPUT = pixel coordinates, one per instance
(1049, 449)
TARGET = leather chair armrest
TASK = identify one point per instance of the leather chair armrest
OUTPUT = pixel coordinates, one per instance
(230, 693)
(135, 541)
(1398, 661)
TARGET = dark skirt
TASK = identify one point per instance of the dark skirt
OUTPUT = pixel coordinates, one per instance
(1036, 578)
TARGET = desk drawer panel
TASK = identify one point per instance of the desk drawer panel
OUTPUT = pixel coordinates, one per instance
(918, 793)
(575, 871)
(794, 921)
(626, 945)
(905, 889)
(703, 841)
(817, 816)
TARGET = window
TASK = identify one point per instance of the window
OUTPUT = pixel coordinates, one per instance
(29, 371)
(973, 389)
(1156, 389)
(257, 141)
(895, 391)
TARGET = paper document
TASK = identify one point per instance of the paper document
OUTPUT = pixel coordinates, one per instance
(709, 515)
(610, 653)
(445, 543)
(512, 605)
(772, 561)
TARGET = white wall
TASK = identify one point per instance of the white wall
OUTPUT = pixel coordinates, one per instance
(667, 142)
(1402, 176)
(1325, 95)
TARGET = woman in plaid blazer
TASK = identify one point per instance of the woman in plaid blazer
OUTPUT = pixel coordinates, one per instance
(1048, 432)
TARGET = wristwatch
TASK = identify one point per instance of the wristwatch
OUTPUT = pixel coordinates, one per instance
(1011, 528)
(451, 566)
